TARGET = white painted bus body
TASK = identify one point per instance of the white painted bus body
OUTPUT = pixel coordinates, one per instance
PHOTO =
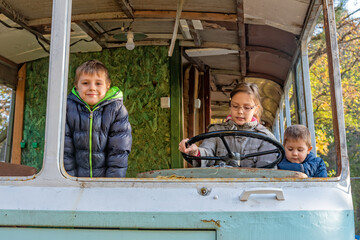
(53, 205)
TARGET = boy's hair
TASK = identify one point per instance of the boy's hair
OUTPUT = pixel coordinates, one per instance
(298, 132)
(251, 89)
(91, 67)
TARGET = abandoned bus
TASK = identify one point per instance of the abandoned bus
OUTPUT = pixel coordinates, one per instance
(176, 62)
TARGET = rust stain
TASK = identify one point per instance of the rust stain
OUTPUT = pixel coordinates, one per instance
(171, 177)
(249, 169)
(217, 222)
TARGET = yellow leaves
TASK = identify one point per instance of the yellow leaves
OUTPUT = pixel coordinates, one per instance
(332, 173)
(322, 141)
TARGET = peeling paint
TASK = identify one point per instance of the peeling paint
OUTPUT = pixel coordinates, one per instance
(217, 222)
(171, 177)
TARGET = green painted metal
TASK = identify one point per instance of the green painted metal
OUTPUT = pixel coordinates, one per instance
(175, 107)
(269, 225)
(222, 172)
(92, 234)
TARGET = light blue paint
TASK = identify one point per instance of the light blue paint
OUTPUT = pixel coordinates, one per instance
(294, 225)
(88, 234)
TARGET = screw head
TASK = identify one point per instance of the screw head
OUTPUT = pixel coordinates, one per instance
(204, 191)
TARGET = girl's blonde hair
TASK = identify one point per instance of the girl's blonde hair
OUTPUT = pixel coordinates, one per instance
(91, 67)
(253, 90)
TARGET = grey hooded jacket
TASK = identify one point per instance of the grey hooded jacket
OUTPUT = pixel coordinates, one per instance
(240, 144)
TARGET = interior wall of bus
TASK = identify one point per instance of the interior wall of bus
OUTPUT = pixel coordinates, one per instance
(142, 74)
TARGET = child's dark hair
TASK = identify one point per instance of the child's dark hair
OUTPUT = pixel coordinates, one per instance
(298, 132)
(251, 89)
(91, 67)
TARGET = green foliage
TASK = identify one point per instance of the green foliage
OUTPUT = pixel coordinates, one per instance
(331, 173)
(142, 75)
(355, 186)
(35, 112)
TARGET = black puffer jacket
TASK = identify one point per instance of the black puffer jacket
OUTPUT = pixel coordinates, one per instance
(97, 146)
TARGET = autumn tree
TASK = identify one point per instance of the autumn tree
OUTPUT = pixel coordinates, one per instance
(5, 103)
(348, 30)
(349, 44)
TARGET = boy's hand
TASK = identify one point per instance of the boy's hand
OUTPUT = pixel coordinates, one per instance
(300, 175)
(192, 150)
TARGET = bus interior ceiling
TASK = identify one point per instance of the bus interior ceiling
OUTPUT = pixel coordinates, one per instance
(244, 40)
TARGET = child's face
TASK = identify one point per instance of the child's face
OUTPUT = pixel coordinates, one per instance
(92, 87)
(242, 108)
(296, 150)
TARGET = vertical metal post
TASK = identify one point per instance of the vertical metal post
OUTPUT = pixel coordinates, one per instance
(281, 120)
(57, 88)
(241, 36)
(300, 95)
(190, 107)
(287, 103)
(335, 89)
(307, 93)
(176, 108)
(295, 95)
(276, 125)
(207, 97)
(9, 136)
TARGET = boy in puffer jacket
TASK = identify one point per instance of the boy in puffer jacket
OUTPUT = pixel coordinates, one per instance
(297, 143)
(97, 132)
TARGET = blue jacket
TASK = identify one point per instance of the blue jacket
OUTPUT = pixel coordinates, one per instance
(98, 140)
(312, 166)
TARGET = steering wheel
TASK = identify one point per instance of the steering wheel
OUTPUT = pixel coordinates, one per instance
(234, 155)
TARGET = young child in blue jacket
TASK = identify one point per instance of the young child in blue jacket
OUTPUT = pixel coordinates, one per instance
(298, 155)
(97, 132)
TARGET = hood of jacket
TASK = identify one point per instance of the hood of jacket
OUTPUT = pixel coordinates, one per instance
(111, 95)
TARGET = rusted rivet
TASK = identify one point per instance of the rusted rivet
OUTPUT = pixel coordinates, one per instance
(204, 191)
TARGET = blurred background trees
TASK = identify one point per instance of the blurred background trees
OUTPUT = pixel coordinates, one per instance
(5, 103)
(348, 31)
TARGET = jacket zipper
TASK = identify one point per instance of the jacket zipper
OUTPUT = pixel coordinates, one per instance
(90, 142)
